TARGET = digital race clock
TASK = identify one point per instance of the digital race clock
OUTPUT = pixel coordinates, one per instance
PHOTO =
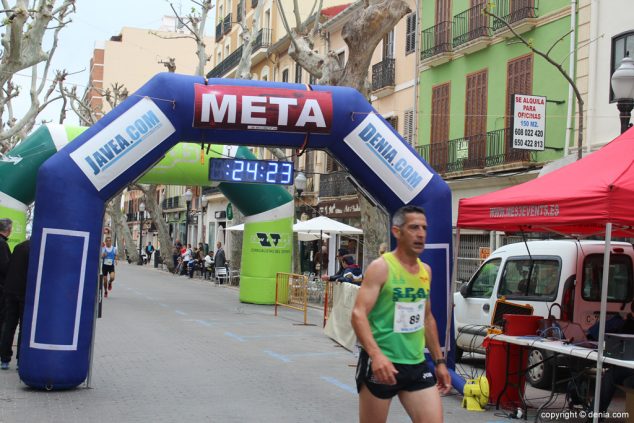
(253, 171)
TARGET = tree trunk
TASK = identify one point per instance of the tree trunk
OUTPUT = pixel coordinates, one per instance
(122, 229)
(375, 229)
(155, 209)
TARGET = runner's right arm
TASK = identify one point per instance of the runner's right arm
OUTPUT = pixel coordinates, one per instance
(374, 279)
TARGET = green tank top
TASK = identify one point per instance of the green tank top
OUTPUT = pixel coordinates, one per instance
(397, 319)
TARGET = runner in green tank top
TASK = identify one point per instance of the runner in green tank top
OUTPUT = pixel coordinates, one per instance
(393, 321)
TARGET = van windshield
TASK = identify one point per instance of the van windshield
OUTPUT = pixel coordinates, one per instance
(619, 284)
(484, 281)
(543, 283)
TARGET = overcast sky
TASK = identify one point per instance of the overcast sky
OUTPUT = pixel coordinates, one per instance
(98, 20)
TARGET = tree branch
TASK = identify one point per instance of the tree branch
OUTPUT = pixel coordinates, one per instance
(557, 66)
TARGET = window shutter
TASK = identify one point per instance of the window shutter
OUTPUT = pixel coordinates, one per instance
(410, 34)
(440, 113)
(408, 126)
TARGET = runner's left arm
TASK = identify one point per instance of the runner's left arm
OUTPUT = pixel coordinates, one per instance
(433, 345)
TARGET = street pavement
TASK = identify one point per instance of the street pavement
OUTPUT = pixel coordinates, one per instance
(173, 349)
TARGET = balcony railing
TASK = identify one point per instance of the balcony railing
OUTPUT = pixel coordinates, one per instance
(514, 11)
(436, 40)
(226, 65)
(226, 24)
(171, 203)
(263, 39)
(335, 185)
(470, 25)
(383, 74)
(219, 31)
(474, 152)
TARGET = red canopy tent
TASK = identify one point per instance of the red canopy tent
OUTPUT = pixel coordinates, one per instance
(580, 198)
(594, 195)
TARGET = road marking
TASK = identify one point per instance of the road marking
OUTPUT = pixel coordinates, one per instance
(234, 336)
(282, 335)
(182, 313)
(339, 384)
(316, 354)
(280, 357)
(163, 305)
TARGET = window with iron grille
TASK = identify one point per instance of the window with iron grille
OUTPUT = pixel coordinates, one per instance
(298, 73)
(285, 75)
(408, 126)
(410, 34)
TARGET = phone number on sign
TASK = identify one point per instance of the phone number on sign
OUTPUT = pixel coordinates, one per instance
(521, 142)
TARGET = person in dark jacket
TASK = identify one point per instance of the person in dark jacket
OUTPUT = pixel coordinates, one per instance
(14, 292)
(341, 253)
(220, 258)
(352, 272)
(5, 255)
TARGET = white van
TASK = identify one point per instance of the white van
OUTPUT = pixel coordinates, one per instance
(541, 273)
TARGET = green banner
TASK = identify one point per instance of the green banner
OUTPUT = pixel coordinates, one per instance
(266, 250)
(181, 166)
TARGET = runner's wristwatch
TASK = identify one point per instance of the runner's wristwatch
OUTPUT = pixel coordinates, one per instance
(440, 361)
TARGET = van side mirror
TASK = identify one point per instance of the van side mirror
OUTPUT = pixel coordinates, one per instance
(464, 290)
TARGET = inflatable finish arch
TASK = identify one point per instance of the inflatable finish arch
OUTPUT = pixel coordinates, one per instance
(74, 184)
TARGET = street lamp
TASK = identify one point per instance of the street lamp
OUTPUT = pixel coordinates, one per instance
(300, 183)
(141, 216)
(203, 204)
(623, 87)
(188, 201)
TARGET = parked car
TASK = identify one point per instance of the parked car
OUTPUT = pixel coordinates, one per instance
(542, 273)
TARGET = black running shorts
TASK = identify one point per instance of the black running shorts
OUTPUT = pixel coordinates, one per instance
(107, 269)
(410, 377)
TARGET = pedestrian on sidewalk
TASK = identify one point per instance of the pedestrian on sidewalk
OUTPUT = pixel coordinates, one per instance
(393, 321)
(6, 225)
(14, 293)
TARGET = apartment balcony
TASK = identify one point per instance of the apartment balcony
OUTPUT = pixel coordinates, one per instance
(521, 14)
(383, 77)
(226, 24)
(171, 203)
(477, 154)
(335, 185)
(224, 67)
(219, 33)
(436, 44)
(261, 44)
(471, 30)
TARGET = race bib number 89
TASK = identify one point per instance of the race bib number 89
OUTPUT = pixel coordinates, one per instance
(409, 317)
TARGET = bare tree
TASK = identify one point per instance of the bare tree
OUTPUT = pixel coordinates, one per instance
(370, 22)
(194, 28)
(22, 48)
(89, 114)
(547, 56)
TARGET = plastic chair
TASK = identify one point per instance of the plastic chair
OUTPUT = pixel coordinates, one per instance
(221, 275)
